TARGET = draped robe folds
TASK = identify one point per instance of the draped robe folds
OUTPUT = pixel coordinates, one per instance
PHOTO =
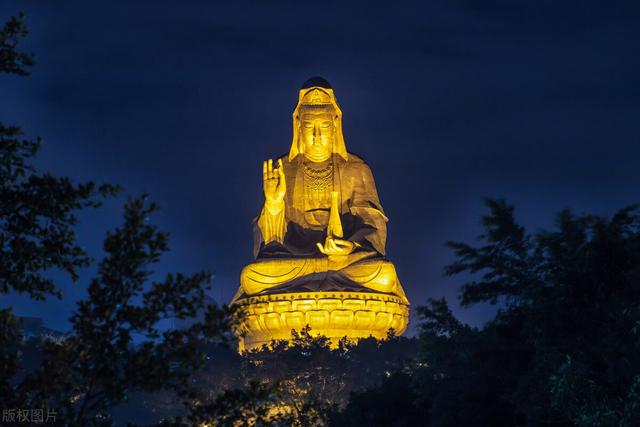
(287, 256)
(294, 231)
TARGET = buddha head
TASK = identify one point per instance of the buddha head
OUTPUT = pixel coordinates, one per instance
(317, 123)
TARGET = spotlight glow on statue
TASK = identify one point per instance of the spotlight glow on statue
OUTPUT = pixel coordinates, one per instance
(319, 239)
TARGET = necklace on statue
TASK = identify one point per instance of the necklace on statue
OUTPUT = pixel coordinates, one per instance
(318, 184)
(318, 179)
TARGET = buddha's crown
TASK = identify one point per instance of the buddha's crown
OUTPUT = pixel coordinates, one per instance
(316, 96)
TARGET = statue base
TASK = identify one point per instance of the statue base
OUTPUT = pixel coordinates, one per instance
(333, 314)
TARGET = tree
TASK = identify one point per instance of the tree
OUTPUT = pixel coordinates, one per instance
(99, 365)
(391, 403)
(563, 346)
(465, 374)
(37, 210)
(308, 381)
(37, 215)
(13, 61)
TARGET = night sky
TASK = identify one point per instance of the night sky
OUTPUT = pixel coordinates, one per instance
(537, 102)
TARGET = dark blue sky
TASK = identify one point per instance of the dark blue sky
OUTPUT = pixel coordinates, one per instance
(448, 101)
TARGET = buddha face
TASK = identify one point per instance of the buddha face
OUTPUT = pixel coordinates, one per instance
(316, 133)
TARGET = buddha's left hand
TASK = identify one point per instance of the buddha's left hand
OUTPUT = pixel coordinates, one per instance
(333, 246)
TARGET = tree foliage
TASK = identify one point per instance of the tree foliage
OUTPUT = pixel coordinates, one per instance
(37, 210)
(116, 346)
(37, 215)
(563, 347)
(100, 364)
(12, 60)
(303, 382)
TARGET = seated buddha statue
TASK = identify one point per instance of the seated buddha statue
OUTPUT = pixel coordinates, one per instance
(322, 227)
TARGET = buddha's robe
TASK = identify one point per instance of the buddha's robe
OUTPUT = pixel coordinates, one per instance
(285, 242)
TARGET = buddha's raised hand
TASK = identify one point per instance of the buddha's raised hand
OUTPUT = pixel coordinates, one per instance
(275, 186)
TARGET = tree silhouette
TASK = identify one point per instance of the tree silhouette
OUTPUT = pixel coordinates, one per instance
(37, 215)
(563, 346)
(302, 382)
(99, 365)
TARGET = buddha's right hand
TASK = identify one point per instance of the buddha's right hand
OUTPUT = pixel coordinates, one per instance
(275, 186)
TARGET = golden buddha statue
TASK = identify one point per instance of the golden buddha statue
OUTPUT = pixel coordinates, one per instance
(319, 240)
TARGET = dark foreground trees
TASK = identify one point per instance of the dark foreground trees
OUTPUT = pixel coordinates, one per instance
(562, 349)
(98, 365)
(305, 382)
